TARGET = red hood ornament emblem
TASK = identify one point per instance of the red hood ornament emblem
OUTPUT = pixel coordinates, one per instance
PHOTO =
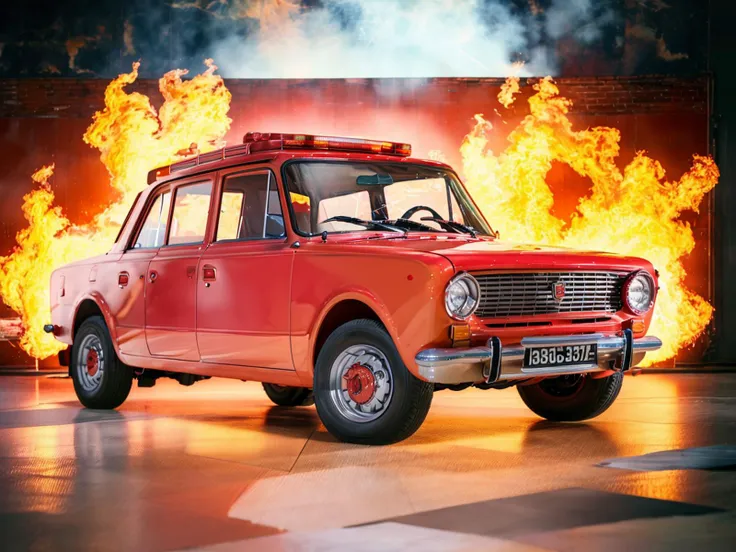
(558, 290)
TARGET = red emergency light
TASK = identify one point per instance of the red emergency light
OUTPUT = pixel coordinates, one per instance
(264, 141)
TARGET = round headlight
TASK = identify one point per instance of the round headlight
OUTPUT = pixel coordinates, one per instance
(461, 296)
(639, 292)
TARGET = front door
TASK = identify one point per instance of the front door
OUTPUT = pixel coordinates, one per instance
(171, 281)
(244, 277)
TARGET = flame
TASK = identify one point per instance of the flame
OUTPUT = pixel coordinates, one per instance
(508, 89)
(634, 212)
(132, 138)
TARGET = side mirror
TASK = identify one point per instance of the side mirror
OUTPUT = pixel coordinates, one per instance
(275, 226)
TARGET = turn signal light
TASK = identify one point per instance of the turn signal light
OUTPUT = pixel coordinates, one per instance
(459, 334)
(638, 326)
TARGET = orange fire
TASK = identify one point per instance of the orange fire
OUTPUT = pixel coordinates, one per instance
(634, 212)
(132, 138)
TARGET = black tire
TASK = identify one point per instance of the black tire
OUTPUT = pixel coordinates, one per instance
(115, 378)
(402, 412)
(559, 400)
(282, 395)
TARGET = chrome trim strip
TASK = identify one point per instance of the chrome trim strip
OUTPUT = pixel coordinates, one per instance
(453, 365)
(444, 356)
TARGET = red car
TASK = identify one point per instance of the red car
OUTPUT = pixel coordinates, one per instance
(343, 272)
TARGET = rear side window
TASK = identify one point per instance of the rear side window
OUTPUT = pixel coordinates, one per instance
(191, 207)
(250, 208)
(127, 217)
(153, 231)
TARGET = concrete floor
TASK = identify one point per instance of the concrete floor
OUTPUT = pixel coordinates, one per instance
(217, 467)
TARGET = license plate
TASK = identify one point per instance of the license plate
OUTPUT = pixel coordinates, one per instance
(564, 355)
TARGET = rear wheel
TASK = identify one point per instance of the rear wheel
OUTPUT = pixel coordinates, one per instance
(571, 398)
(100, 379)
(282, 395)
(363, 391)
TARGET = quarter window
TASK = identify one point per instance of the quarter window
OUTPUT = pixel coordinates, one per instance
(250, 208)
(189, 220)
(153, 231)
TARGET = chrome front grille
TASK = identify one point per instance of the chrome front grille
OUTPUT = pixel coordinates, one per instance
(529, 294)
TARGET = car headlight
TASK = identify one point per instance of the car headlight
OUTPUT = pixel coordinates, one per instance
(638, 292)
(461, 296)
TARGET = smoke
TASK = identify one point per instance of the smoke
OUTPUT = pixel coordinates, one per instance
(394, 38)
(584, 20)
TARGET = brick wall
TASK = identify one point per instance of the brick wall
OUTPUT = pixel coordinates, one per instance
(80, 98)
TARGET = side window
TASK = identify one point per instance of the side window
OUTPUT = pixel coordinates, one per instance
(250, 208)
(189, 220)
(231, 215)
(153, 231)
(127, 217)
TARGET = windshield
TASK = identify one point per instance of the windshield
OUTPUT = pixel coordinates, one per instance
(349, 197)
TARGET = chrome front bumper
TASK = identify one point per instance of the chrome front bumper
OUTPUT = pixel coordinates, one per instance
(494, 363)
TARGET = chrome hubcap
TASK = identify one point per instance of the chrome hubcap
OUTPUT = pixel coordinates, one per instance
(361, 383)
(90, 363)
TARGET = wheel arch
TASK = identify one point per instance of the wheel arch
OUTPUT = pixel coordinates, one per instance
(86, 309)
(93, 305)
(339, 312)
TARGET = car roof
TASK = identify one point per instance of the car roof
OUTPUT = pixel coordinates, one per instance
(239, 155)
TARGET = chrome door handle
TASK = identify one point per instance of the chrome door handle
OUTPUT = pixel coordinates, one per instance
(152, 276)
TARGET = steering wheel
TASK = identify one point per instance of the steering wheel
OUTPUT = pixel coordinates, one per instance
(414, 210)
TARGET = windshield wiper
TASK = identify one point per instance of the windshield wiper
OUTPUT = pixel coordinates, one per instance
(413, 224)
(451, 224)
(366, 223)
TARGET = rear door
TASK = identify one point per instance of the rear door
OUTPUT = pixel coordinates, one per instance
(126, 296)
(243, 296)
(171, 282)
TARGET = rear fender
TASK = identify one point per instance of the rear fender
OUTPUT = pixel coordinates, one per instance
(99, 300)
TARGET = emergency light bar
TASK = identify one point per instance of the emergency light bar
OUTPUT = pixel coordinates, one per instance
(264, 141)
(269, 141)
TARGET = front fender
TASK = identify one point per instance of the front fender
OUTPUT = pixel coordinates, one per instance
(405, 292)
(362, 295)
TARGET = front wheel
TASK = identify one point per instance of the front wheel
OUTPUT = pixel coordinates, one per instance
(571, 398)
(363, 391)
(100, 379)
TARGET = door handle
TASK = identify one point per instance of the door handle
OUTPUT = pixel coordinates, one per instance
(152, 276)
(209, 273)
(123, 279)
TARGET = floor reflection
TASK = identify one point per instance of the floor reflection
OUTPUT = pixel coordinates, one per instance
(178, 467)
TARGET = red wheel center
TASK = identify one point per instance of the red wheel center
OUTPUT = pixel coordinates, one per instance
(93, 362)
(361, 383)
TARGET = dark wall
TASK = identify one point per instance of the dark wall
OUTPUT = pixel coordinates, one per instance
(723, 66)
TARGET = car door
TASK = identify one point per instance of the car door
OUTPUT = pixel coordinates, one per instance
(244, 276)
(126, 301)
(171, 282)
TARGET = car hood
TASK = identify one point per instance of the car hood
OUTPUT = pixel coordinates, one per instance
(483, 254)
